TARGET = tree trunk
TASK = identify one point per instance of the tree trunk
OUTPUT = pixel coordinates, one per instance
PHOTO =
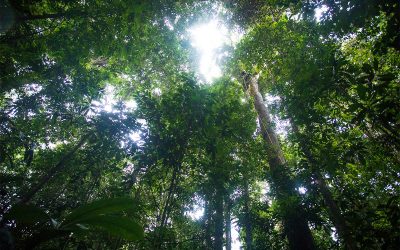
(53, 171)
(168, 202)
(295, 226)
(207, 223)
(219, 219)
(247, 217)
(171, 191)
(335, 215)
(228, 224)
(218, 199)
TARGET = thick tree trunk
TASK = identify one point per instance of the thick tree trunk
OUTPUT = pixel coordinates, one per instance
(247, 218)
(295, 226)
(228, 224)
(53, 171)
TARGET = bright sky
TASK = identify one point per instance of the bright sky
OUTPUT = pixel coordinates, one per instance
(208, 39)
(318, 12)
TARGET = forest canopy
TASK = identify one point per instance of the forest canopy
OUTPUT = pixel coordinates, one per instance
(160, 124)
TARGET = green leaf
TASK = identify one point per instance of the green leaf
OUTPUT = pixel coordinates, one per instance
(105, 206)
(117, 226)
(27, 214)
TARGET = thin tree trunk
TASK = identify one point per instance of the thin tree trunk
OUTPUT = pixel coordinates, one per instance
(335, 215)
(219, 219)
(247, 217)
(207, 222)
(228, 223)
(171, 191)
(295, 225)
(176, 163)
(53, 171)
(218, 200)
(168, 202)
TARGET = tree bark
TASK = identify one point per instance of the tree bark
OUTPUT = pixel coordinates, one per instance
(218, 199)
(295, 225)
(228, 224)
(207, 222)
(219, 219)
(53, 171)
(247, 217)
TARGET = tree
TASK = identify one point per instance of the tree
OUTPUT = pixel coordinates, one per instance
(102, 99)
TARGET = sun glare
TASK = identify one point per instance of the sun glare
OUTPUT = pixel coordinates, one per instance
(320, 11)
(207, 38)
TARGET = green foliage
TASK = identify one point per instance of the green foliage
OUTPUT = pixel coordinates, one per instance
(100, 99)
(96, 208)
(89, 217)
